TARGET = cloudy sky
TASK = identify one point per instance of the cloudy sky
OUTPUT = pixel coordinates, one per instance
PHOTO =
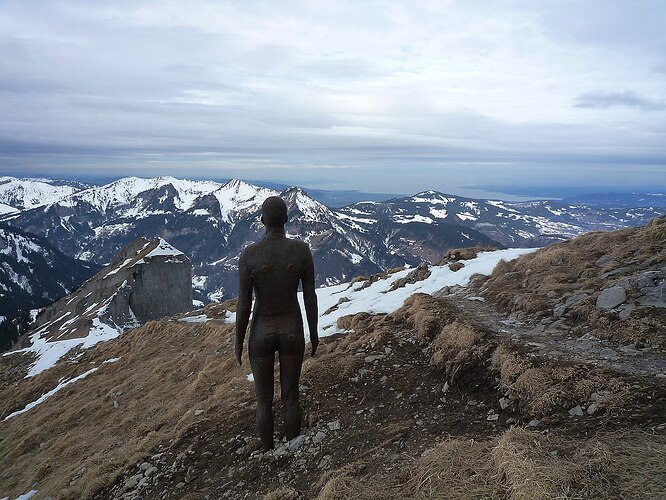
(376, 96)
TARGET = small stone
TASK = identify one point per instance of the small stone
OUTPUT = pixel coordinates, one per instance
(374, 357)
(559, 310)
(180, 485)
(504, 403)
(318, 437)
(296, 443)
(493, 417)
(198, 412)
(383, 379)
(510, 421)
(325, 462)
(446, 387)
(303, 388)
(150, 471)
(334, 426)
(576, 411)
(592, 408)
(476, 299)
(131, 483)
(552, 294)
(280, 451)
(607, 353)
(534, 422)
(626, 311)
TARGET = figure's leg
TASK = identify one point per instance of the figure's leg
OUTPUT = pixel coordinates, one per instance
(262, 370)
(291, 360)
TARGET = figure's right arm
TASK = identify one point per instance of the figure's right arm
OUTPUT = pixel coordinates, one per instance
(243, 306)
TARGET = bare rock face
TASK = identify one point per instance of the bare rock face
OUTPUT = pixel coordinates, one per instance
(148, 280)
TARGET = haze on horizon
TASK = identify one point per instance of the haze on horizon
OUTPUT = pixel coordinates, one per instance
(388, 97)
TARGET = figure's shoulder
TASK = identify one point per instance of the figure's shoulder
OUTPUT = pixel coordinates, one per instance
(250, 250)
(299, 245)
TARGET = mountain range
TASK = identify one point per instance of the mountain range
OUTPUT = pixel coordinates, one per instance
(212, 222)
(33, 273)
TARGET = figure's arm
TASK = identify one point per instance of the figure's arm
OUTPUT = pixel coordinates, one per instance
(310, 300)
(243, 306)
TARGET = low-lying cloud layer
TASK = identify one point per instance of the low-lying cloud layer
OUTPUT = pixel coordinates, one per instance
(383, 96)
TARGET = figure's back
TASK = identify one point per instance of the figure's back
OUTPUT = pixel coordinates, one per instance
(276, 266)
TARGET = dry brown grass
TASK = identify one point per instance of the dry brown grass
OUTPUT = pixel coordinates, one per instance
(166, 371)
(520, 465)
(509, 365)
(581, 264)
(467, 253)
(426, 315)
(543, 389)
(459, 347)
(535, 467)
(456, 266)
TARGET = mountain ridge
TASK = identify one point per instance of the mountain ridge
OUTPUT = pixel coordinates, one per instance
(212, 222)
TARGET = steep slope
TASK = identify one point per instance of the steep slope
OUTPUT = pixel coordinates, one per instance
(146, 281)
(33, 273)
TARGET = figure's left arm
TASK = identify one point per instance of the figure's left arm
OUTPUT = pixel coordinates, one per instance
(243, 306)
(310, 301)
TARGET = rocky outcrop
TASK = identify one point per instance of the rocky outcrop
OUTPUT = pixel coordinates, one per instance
(612, 284)
(148, 280)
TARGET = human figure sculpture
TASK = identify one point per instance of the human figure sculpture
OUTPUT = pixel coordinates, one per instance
(273, 268)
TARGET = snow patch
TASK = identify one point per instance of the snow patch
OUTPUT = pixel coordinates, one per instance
(49, 353)
(377, 299)
(164, 248)
(201, 318)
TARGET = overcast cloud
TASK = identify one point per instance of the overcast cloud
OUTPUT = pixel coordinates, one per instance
(375, 96)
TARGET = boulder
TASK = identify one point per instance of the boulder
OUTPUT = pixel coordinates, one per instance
(611, 298)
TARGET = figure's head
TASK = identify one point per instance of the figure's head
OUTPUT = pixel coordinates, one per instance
(274, 212)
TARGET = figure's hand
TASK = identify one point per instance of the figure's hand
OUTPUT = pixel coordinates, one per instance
(314, 342)
(239, 352)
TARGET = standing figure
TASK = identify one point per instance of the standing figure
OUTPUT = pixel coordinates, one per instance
(273, 268)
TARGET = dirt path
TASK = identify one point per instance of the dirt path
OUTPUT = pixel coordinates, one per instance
(557, 340)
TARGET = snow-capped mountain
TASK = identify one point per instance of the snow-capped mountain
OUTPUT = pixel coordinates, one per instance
(33, 273)
(212, 223)
(18, 194)
(511, 224)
